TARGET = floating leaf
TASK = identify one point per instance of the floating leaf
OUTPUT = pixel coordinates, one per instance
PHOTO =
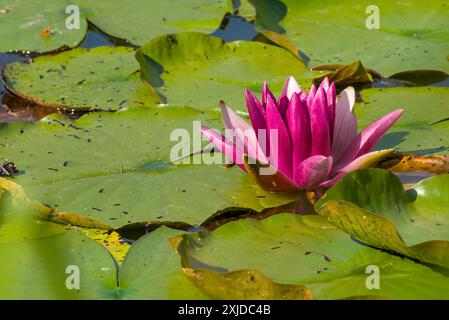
(20, 198)
(353, 74)
(108, 80)
(411, 162)
(198, 70)
(151, 270)
(303, 250)
(139, 21)
(41, 26)
(109, 239)
(116, 168)
(37, 26)
(410, 35)
(245, 285)
(372, 206)
(42, 261)
(420, 77)
(271, 37)
(418, 131)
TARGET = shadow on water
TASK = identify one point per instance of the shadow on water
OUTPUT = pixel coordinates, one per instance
(269, 13)
(391, 140)
(234, 28)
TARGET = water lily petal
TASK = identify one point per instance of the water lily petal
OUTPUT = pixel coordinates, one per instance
(345, 128)
(280, 148)
(255, 111)
(331, 103)
(266, 92)
(324, 84)
(311, 95)
(224, 146)
(282, 106)
(290, 87)
(365, 161)
(369, 137)
(244, 133)
(298, 124)
(312, 171)
(319, 125)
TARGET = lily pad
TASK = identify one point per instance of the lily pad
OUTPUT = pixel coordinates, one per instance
(410, 35)
(373, 206)
(138, 21)
(344, 76)
(198, 70)
(420, 77)
(152, 270)
(419, 130)
(40, 26)
(307, 250)
(114, 169)
(37, 26)
(245, 285)
(107, 80)
(40, 258)
(400, 162)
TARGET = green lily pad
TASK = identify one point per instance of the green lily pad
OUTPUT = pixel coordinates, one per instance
(138, 21)
(198, 70)
(37, 26)
(152, 270)
(307, 250)
(411, 35)
(107, 80)
(40, 26)
(373, 206)
(418, 130)
(116, 168)
(38, 257)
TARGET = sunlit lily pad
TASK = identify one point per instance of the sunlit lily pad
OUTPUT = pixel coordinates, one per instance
(199, 70)
(152, 270)
(116, 168)
(138, 21)
(40, 25)
(37, 26)
(36, 254)
(410, 34)
(307, 250)
(40, 260)
(102, 78)
(373, 206)
(419, 129)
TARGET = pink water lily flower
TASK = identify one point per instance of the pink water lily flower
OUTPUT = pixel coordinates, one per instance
(315, 142)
